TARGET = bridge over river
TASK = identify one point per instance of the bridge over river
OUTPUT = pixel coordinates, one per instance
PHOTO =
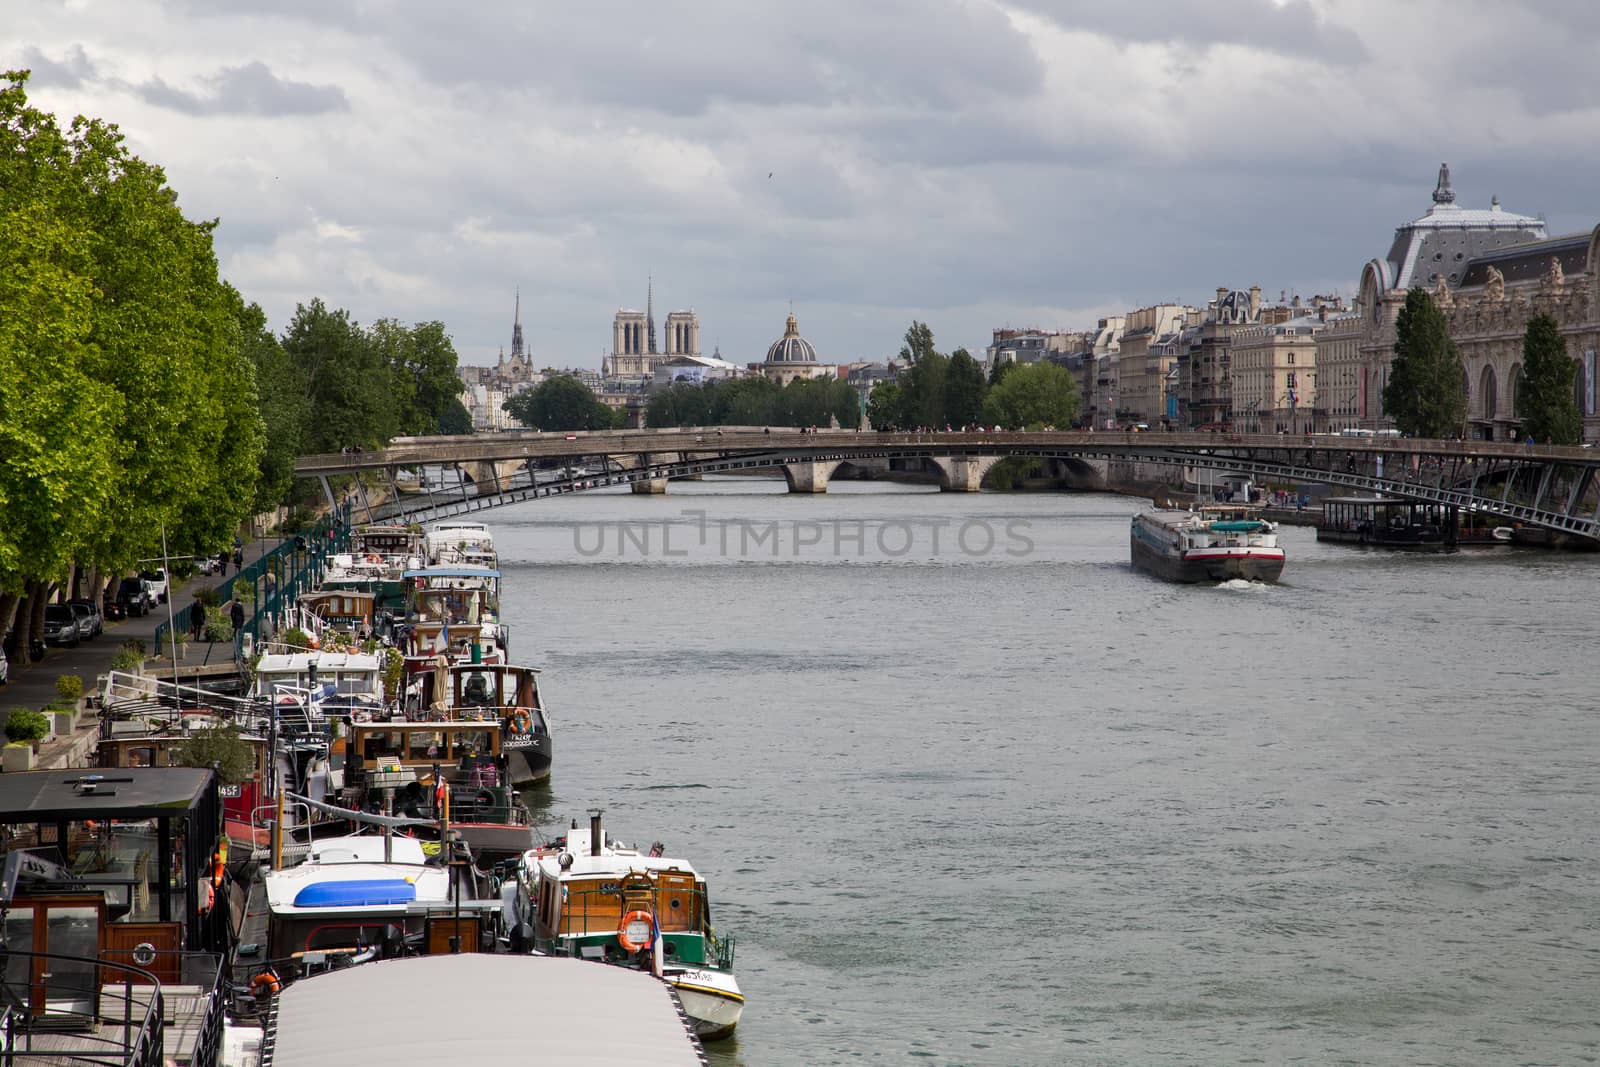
(1553, 487)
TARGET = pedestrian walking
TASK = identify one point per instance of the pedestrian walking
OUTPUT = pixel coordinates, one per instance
(236, 615)
(197, 620)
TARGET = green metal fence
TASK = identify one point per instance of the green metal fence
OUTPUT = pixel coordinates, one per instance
(293, 566)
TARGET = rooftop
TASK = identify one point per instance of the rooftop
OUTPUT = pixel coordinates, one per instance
(483, 1008)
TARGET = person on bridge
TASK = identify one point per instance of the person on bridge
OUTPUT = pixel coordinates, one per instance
(197, 620)
(236, 615)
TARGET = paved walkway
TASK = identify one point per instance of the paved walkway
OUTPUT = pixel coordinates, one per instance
(34, 685)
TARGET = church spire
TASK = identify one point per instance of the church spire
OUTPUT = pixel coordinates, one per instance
(516, 328)
(1441, 192)
(650, 313)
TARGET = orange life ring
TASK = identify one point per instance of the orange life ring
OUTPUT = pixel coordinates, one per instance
(629, 944)
(521, 721)
(372, 557)
(219, 863)
(265, 982)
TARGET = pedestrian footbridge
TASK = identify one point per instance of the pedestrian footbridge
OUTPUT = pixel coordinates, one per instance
(1553, 487)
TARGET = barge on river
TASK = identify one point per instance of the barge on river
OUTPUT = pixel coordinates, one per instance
(1212, 543)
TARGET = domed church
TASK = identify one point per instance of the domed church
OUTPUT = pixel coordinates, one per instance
(792, 356)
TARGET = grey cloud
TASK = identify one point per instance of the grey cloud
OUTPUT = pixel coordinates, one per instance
(1293, 27)
(71, 71)
(248, 90)
(689, 60)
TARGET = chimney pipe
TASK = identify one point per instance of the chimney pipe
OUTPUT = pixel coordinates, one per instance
(595, 832)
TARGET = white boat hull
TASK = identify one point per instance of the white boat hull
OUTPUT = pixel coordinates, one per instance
(711, 1000)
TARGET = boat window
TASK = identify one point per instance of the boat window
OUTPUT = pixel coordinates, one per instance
(425, 745)
(465, 743)
(588, 910)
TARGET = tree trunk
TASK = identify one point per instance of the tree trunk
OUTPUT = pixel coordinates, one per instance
(30, 621)
(8, 608)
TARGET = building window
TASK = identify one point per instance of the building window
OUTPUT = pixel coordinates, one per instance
(1291, 359)
(1291, 379)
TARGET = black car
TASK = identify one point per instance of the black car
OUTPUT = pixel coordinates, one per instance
(133, 595)
(61, 626)
(90, 622)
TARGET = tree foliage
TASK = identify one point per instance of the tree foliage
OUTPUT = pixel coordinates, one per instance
(919, 343)
(1546, 403)
(965, 390)
(756, 401)
(126, 404)
(560, 403)
(221, 748)
(1427, 393)
(1033, 396)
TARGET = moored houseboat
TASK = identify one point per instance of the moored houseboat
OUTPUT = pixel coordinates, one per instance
(1391, 523)
(599, 900)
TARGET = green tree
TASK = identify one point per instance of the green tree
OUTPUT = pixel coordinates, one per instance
(745, 402)
(682, 404)
(281, 402)
(1033, 397)
(344, 378)
(422, 360)
(560, 403)
(1427, 393)
(999, 369)
(883, 406)
(919, 343)
(125, 403)
(1545, 401)
(923, 390)
(964, 390)
(221, 748)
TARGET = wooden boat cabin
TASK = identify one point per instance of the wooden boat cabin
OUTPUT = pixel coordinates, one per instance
(349, 611)
(131, 750)
(124, 866)
(1388, 522)
(388, 542)
(408, 760)
(497, 692)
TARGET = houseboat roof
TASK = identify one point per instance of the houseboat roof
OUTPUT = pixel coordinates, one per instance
(568, 1009)
(452, 572)
(299, 662)
(112, 793)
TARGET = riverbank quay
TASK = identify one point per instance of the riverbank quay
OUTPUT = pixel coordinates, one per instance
(34, 687)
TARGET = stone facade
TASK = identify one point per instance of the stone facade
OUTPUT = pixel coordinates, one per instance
(1273, 372)
(1488, 317)
(634, 354)
(1339, 373)
(1432, 251)
(1147, 358)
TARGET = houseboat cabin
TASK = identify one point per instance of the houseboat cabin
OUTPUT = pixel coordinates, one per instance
(121, 865)
(1388, 522)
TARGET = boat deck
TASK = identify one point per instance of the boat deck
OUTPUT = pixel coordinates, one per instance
(105, 1040)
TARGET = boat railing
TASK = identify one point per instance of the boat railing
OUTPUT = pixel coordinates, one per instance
(721, 951)
(117, 1014)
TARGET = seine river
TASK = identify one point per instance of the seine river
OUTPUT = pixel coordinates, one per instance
(999, 799)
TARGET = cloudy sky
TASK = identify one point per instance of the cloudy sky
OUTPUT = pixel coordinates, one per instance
(970, 163)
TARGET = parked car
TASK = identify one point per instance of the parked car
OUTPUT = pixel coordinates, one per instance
(61, 626)
(207, 564)
(5, 668)
(90, 622)
(159, 587)
(133, 594)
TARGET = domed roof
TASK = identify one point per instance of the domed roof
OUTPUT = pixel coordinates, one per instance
(791, 347)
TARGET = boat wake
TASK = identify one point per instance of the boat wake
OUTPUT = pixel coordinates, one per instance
(1243, 585)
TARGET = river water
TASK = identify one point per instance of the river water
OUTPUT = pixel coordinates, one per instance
(999, 799)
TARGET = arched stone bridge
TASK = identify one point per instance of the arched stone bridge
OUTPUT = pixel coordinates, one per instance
(1554, 487)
